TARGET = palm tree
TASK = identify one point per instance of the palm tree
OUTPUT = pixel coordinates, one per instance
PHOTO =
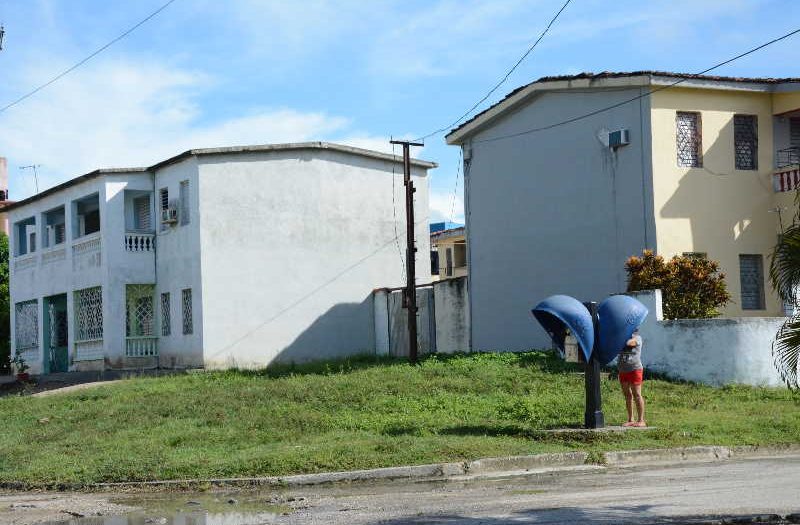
(784, 272)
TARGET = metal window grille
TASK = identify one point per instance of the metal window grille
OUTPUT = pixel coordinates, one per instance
(188, 327)
(745, 141)
(689, 139)
(184, 198)
(141, 210)
(89, 314)
(139, 310)
(26, 325)
(751, 277)
(166, 321)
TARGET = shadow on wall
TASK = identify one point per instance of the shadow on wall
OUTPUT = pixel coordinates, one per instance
(345, 329)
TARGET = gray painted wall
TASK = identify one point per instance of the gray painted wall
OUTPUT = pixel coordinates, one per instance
(553, 212)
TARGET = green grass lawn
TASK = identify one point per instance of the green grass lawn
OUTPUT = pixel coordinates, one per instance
(355, 414)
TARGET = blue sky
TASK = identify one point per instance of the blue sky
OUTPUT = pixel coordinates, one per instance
(209, 73)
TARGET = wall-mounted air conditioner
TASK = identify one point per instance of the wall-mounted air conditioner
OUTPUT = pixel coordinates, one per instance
(621, 137)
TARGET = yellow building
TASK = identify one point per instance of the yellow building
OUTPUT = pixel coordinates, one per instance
(568, 176)
(451, 248)
(725, 164)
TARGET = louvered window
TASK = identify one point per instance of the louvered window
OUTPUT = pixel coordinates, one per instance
(751, 278)
(794, 132)
(689, 139)
(141, 213)
(745, 141)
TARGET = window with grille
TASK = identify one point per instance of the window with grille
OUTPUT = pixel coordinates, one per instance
(794, 132)
(751, 277)
(89, 314)
(689, 139)
(745, 141)
(184, 200)
(26, 325)
(187, 311)
(139, 310)
(166, 321)
(59, 233)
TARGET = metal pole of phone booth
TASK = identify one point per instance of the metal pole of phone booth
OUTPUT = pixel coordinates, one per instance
(593, 417)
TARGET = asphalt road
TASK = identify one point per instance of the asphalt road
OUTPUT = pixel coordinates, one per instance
(678, 494)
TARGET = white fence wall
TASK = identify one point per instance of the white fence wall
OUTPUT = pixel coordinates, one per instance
(442, 319)
(711, 351)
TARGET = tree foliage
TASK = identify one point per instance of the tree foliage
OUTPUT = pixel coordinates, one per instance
(692, 286)
(784, 272)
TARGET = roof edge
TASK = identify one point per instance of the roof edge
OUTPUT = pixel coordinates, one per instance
(290, 146)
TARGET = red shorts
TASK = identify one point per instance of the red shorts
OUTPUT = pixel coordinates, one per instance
(635, 377)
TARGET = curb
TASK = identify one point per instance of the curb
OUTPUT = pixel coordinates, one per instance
(555, 463)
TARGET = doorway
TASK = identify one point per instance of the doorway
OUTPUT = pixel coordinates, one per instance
(56, 339)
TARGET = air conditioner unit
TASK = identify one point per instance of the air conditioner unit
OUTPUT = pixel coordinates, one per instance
(169, 215)
(621, 137)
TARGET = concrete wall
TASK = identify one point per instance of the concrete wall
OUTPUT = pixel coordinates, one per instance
(711, 351)
(451, 299)
(178, 266)
(292, 245)
(553, 212)
(715, 209)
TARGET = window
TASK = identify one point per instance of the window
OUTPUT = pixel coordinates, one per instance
(139, 310)
(187, 311)
(794, 132)
(166, 322)
(22, 233)
(745, 141)
(751, 277)
(89, 314)
(32, 241)
(689, 140)
(86, 216)
(184, 198)
(26, 325)
(163, 201)
(54, 231)
(141, 213)
(59, 233)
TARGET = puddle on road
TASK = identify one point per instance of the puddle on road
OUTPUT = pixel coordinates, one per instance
(191, 509)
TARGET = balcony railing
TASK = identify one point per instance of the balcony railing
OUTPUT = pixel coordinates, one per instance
(143, 346)
(786, 179)
(86, 252)
(140, 242)
(53, 255)
(787, 157)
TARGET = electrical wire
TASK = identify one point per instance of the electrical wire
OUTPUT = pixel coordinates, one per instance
(455, 188)
(394, 218)
(637, 97)
(88, 58)
(502, 80)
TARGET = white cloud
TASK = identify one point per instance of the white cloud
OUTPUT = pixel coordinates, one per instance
(123, 114)
(445, 207)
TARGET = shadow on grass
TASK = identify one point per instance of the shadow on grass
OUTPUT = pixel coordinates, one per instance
(574, 437)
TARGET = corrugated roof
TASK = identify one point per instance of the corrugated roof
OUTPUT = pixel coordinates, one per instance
(626, 74)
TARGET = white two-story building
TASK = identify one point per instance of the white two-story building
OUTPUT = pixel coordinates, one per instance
(216, 257)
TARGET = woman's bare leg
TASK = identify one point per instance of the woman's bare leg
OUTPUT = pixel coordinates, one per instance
(639, 400)
(627, 392)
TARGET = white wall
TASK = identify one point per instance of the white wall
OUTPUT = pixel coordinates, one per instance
(178, 267)
(553, 212)
(452, 315)
(711, 351)
(292, 244)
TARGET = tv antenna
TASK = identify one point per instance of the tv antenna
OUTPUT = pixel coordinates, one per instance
(33, 167)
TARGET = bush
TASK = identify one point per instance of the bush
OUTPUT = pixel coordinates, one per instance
(692, 286)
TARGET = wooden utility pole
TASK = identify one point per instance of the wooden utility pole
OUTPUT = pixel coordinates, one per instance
(410, 294)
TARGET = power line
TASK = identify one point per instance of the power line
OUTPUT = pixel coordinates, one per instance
(88, 58)
(455, 188)
(502, 81)
(637, 97)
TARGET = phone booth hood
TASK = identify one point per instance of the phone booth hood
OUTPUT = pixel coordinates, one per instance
(618, 317)
(558, 313)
